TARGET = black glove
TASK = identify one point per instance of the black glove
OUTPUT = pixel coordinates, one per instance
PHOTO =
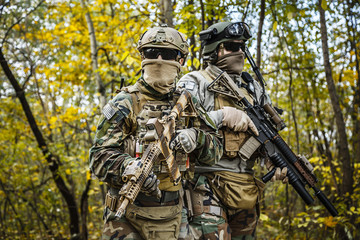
(185, 139)
(151, 186)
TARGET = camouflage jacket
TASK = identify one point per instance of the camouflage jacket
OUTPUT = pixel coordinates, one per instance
(107, 156)
(197, 83)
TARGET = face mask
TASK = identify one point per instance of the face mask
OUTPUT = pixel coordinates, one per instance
(160, 74)
(232, 63)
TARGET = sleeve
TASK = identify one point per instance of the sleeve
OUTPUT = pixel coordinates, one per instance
(197, 85)
(107, 158)
(209, 148)
(217, 117)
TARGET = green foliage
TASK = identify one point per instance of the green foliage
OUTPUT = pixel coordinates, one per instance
(48, 50)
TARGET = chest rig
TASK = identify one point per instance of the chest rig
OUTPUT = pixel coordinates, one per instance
(146, 108)
(233, 141)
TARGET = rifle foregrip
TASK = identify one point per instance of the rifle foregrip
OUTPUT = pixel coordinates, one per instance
(294, 180)
(267, 177)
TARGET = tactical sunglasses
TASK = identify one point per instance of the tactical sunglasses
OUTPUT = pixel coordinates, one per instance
(232, 46)
(166, 53)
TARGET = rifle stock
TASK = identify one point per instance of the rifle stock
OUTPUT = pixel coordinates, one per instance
(299, 173)
(159, 134)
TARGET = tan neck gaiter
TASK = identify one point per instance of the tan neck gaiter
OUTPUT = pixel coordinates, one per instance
(232, 63)
(160, 74)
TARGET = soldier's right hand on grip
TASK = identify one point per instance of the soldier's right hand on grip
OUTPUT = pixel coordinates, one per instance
(151, 186)
(238, 120)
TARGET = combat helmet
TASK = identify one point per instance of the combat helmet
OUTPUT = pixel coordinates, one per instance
(164, 37)
(219, 33)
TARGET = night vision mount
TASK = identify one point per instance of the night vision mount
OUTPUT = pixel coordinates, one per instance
(238, 30)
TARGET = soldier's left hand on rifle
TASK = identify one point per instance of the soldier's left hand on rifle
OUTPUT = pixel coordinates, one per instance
(280, 174)
(237, 120)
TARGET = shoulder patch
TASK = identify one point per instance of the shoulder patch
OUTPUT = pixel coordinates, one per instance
(189, 85)
(108, 111)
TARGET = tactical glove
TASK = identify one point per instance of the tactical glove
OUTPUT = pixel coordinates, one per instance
(238, 120)
(280, 174)
(185, 139)
(151, 186)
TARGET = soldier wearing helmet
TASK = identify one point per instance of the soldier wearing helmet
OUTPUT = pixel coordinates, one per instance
(157, 212)
(226, 194)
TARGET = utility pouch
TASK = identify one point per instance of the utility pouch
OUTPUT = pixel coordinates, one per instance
(235, 190)
(129, 145)
(161, 223)
(188, 203)
(233, 142)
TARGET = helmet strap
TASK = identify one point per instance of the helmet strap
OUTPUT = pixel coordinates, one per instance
(221, 48)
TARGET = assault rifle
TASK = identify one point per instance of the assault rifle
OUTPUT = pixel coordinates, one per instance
(159, 133)
(268, 123)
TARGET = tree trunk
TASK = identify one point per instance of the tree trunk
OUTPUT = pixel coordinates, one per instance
(344, 154)
(94, 58)
(166, 15)
(102, 91)
(52, 160)
(258, 40)
(353, 34)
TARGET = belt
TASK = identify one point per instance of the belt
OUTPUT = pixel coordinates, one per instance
(167, 199)
(166, 196)
(211, 209)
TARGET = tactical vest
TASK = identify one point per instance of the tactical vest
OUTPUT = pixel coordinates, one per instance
(233, 141)
(145, 108)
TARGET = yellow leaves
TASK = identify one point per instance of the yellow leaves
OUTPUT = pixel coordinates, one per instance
(290, 15)
(52, 122)
(314, 160)
(70, 115)
(88, 175)
(16, 27)
(264, 217)
(275, 26)
(195, 62)
(327, 221)
(130, 60)
(68, 172)
(324, 4)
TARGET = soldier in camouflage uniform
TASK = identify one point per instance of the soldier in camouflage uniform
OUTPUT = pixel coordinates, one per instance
(120, 139)
(225, 196)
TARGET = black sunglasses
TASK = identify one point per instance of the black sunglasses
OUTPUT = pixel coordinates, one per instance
(166, 53)
(233, 46)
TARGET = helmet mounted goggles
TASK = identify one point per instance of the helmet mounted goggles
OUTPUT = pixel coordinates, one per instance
(237, 30)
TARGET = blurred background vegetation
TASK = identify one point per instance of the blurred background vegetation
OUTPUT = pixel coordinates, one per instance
(61, 60)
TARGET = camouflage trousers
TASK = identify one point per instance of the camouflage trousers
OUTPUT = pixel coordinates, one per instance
(211, 223)
(122, 229)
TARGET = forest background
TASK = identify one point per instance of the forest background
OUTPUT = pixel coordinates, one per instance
(62, 60)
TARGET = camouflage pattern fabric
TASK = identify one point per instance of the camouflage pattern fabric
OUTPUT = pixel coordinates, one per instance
(185, 231)
(241, 222)
(108, 157)
(204, 224)
(119, 229)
